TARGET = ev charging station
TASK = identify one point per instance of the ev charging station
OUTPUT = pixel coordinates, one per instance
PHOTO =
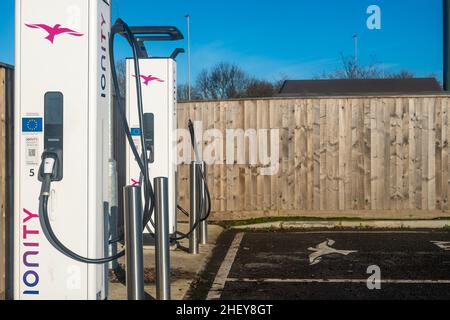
(62, 96)
(63, 183)
(159, 95)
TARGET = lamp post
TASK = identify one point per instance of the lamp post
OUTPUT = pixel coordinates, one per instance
(446, 64)
(355, 37)
(188, 21)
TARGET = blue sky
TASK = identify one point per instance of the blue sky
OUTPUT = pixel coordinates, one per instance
(295, 38)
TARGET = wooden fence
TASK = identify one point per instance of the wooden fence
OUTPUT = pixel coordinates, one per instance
(6, 141)
(373, 157)
(2, 179)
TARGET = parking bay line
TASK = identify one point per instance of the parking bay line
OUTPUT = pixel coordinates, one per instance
(369, 232)
(221, 278)
(385, 281)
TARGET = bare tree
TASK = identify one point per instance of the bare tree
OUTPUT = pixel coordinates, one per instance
(259, 88)
(203, 85)
(402, 74)
(352, 70)
(279, 82)
(224, 81)
(183, 93)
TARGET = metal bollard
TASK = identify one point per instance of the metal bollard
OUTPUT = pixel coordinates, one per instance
(203, 227)
(114, 209)
(194, 209)
(162, 238)
(134, 250)
(113, 248)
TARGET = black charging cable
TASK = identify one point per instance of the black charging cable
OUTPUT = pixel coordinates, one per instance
(207, 211)
(50, 160)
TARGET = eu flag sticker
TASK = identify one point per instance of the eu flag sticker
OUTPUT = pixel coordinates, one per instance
(32, 125)
(135, 132)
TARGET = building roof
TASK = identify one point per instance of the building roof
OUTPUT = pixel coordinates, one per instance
(6, 66)
(359, 87)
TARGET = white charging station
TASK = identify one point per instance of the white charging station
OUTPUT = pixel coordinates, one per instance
(62, 94)
(158, 80)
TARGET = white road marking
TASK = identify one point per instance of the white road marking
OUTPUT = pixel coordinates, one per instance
(221, 278)
(386, 281)
(324, 249)
(368, 232)
(444, 245)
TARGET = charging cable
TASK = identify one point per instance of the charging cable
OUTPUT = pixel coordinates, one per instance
(206, 209)
(50, 159)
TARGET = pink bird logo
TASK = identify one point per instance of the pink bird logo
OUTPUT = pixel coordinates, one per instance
(150, 78)
(135, 183)
(54, 31)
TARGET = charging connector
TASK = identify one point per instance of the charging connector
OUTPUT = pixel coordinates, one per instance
(49, 165)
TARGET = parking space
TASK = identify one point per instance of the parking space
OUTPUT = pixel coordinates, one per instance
(329, 265)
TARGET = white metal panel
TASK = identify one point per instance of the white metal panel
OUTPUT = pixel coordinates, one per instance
(158, 98)
(100, 100)
(69, 64)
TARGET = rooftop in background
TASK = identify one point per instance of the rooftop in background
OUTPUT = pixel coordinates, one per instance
(301, 88)
(5, 65)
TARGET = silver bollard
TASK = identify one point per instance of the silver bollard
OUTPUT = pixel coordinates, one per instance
(134, 249)
(203, 227)
(114, 209)
(194, 209)
(162, 238)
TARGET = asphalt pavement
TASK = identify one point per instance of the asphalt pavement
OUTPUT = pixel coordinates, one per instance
(328, 265)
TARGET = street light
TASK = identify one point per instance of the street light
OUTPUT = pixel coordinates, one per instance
(355, 37)
(188, 21)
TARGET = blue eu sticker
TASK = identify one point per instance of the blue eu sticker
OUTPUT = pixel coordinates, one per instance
(135, 132)
(32, 125)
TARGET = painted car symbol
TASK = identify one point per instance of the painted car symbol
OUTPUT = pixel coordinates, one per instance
(324, 249)
(444, 245)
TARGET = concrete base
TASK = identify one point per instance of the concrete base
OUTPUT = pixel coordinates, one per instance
(356, 214)
(378, 224)
(184, 267)
(150, 245)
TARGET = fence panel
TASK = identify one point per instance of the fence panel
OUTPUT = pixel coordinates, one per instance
(353, 156)
(2, 177)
